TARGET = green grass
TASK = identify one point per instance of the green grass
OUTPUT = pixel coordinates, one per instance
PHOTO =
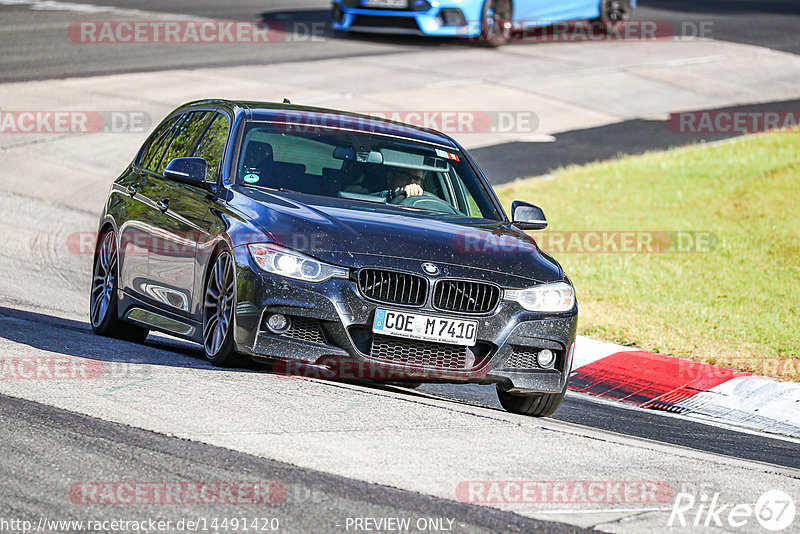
(736, 306)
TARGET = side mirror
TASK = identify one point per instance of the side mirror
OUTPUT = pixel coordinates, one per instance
(527, 216)
(188, 170)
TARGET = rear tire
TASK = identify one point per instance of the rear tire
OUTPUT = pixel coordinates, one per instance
(103, 308)
(534, 404)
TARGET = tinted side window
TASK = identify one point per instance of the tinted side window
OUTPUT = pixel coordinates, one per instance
(183, 140)
(212, 145)
(156, 140)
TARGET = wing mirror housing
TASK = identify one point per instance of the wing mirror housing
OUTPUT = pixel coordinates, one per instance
(187, 170)
(527, 216)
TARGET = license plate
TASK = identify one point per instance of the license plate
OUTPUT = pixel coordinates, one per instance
(425, 327)
(396, 4)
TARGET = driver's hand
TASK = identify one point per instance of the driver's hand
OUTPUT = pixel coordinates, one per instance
(413, 190)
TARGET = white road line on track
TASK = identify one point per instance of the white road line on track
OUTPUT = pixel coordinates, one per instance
(55, 5)
(453, 83)
(603, 511)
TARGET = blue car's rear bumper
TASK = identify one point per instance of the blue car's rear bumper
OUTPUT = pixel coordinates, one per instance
(432, 22)
(427, 22)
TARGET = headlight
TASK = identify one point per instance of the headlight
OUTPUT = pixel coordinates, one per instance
(282, 261)
(555, 297)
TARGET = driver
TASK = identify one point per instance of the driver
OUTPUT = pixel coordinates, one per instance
(404, 182)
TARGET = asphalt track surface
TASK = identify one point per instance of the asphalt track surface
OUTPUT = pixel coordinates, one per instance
(46, 448)
(579, 409)
(505, 162)
(79, 448)
(34, 44)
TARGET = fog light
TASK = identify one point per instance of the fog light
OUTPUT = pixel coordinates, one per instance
(452, 17)
(277, 323)
(546, 359)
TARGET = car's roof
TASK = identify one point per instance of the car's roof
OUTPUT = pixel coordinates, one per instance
(324, 117)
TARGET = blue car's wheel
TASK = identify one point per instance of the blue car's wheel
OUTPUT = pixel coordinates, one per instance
(614, 11)
(496, 22)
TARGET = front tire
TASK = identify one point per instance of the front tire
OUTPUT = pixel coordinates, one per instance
(615, 11)
(219, 303)
(534, 404)
(103, 309)
(496, 22)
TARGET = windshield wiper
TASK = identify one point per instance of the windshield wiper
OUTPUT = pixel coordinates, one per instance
(375, 199)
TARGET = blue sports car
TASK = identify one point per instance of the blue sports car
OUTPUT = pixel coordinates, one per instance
(489, 20)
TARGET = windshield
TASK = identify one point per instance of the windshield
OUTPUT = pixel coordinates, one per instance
(362, 167)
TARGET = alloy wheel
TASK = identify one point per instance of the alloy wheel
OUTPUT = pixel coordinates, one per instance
(103, 282)
(497, 21)
(618, 11)
(218, 304)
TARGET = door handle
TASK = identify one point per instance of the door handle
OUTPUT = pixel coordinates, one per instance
(163, 205)
(133, 189)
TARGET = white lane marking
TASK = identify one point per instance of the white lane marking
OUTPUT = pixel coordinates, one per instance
(55, 5)
(602, 511)
(454, 83)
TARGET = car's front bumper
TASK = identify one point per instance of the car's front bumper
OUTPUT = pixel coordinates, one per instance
(344, 317)
(429, 22)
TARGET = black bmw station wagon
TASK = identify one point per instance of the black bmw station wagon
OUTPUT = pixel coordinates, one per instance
(351, 246)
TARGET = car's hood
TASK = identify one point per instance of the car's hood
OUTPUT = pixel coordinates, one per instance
(355, 234)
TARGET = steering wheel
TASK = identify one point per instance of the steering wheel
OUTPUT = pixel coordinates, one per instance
(427, 201)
